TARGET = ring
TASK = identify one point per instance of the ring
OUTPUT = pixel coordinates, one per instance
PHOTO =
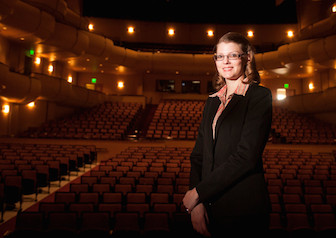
(187, 210)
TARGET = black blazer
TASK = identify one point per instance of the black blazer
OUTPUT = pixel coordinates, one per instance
(227, 171)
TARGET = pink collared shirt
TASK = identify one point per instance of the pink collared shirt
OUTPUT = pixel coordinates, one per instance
(221, 94)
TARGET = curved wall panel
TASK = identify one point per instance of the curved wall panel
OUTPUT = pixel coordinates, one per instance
(18, 88)
(67, 37)
(19, 16)
(97, 44)
(323, 49)
(108, 48)
(71, 16)
(116, 54)
(311, 103)
(294, 52)
(81, 44)
(60, 91)
(6, 8)
(319, 29)
(50, 89)
(268, 60)
(132, 58)
(94, 98)
(46, 27)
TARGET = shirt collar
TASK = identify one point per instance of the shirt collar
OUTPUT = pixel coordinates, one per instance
(240, 90)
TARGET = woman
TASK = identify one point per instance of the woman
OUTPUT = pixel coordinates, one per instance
(227, 189)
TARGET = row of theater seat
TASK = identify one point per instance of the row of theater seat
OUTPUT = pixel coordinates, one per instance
(114, 199)
(294, 128)
(139, 181)
(108, 121)
(302, 191)
(180, 119)
(27, 168)
(96, 224)
(177, 119)
(174, 119)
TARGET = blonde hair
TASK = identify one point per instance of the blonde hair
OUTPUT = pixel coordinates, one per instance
(251, 72)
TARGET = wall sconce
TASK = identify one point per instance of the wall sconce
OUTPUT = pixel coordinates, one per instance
(250, 33)
(121, 85)
(290, 34)
(311, 86)
(50, 68)
(171, 31)
(69, 79)
(210, 33)
(31, 105)
(37, 61)
(130, 30)
(5, 109)
(91, 27)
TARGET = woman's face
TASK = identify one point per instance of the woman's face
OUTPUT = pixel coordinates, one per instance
(231, 69)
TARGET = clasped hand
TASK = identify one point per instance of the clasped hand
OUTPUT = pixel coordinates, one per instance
(190, 199)
(199, 216)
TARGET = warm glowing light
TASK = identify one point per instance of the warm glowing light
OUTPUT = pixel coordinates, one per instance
(290, 34)
(69, 79)
(281, 93)
(171, 31)
(130, 30)
(120, 68)
(50, 68)
(333, 8)
(121, 85)
(211, 33)
(31, 104)
(37, 61)
(90, 86)
(91, 27)
(311, 86)
(250, 33)
(5, 109)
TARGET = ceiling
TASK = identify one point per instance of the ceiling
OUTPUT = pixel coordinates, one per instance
(201, 11)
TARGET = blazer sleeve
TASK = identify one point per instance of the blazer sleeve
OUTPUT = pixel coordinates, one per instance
(249, 150)
(196, 156)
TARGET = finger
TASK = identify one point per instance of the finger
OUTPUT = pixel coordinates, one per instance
(204, 228)
(199, 225)
(206, 217)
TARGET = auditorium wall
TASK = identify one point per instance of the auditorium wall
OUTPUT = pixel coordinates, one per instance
(318, 101)
(21, 116)
(108, 83)
(154, 97)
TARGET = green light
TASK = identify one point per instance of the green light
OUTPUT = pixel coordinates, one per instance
(31, 52)
(286, 85)
(93, 80)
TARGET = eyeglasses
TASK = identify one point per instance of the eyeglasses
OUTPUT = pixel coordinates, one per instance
(231, 56)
